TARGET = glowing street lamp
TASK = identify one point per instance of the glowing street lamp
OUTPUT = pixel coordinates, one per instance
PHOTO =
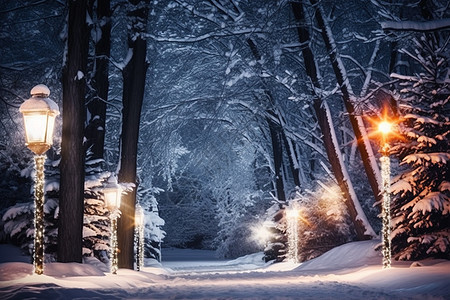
(139, 236)
(385, 128)
(39, 113)
(112, 193)
(261, 233)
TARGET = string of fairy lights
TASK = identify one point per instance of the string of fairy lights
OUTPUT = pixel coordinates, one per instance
(386, 210)
(139, 237)
(38, 253)
(292, 215)
(114, 244)
(385, 128)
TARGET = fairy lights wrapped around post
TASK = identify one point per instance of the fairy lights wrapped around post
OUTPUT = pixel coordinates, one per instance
(112, 192)
(385, 129)
(39, 113)
(139, 236)
(292, 216)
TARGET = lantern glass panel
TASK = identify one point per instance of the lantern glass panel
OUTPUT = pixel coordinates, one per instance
(36, 126)
(139, 217)
(50, 128)
(112, 197)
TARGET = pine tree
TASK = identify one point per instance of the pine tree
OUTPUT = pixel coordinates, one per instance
(153, 223)
(421, 204)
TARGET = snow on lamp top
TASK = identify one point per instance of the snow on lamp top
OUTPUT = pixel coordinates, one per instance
(39, 113)
(40, 89)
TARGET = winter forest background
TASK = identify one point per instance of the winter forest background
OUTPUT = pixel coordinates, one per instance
(248, 108)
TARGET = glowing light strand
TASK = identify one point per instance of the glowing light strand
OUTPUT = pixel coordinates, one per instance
(139, 241)
(293, 231)
(114, 245)
(386, 208)
(38, 251)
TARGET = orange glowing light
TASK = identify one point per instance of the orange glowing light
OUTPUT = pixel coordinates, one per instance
(385, 127)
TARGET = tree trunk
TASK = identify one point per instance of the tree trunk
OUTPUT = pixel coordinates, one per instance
(95, 130)
(277, 148)
(362, 226)
(134, 74)
(71, 200)
(365, 149)
(293, 160)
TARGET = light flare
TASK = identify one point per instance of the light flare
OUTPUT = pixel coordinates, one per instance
(385, 127)
(261, 233)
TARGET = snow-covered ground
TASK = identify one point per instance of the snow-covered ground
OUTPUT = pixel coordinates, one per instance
(351, 271)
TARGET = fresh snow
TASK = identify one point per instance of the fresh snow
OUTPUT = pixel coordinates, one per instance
(80, 75)
(351, 271)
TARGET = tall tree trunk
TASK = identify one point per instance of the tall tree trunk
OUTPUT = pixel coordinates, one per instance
(134, 74)
(293, 160)
(365, 149)
(96, 106)
(71, 200)
(362, 226)
(277, 148)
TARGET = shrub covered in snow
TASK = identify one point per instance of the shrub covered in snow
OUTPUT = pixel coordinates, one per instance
(153, 223)
(321, 221)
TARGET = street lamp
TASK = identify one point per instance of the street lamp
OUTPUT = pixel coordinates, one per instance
(261, 233)
(385, 128)
(139, 235)
(39, 113)
(112, 193)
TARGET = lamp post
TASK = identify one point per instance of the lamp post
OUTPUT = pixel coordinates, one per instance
(385, 128)
(112, 193)
(39, 113)
(139, 235)
(292, 215)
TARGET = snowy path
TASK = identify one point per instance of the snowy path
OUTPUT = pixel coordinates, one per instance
(352, 271)
(184, 262)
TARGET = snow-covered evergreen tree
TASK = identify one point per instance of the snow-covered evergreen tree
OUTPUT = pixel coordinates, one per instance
(276, 248)
(153, 223)
(96, 221)
(421, 207)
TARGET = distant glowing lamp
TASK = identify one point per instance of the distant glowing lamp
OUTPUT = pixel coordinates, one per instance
(385, 127)
(112, 193)
(139, 216)
(261, 233)
(39, 113)
(292, 213)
